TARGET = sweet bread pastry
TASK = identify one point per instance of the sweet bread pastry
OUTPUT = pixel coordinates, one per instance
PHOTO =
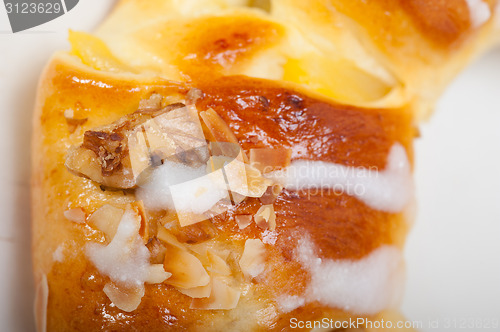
(234, 165)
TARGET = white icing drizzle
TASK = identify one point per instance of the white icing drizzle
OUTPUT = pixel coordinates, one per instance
(364, 286)
(388, 190)
(289, 303)
(479, 12)
(125, 260)
(177, 187)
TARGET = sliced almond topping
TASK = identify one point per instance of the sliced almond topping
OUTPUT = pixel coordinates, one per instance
(138, 207)
(269, 160)
(201, 252)
(222, 297)
(252, 261)
(265, 217)
(243, 220)
(197, 292)
(157, 274)
(217, 264)
(187, 270)
(218, 130)
(125, 299)
(75, 215)
(178, 136)
(169, 239)
(106, 219)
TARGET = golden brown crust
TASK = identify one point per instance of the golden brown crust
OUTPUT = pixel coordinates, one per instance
(384, 58)
(408, 50)
(76, 301)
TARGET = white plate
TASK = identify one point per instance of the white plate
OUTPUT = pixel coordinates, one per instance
(453, 252)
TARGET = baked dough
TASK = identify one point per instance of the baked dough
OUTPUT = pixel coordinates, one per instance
(172, 87)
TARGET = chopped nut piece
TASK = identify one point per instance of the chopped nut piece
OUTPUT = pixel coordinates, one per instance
(75, 215)
(243, 220)
(269, 160)
(138, 207)
(222, 297)
(106, 219)
(157, 274)
(252, 261)
(126, 299)
(197, 292)
(201, 252)
(115, 155)
(217, 264)
(187, 270)
(218, 130)
(265, 217)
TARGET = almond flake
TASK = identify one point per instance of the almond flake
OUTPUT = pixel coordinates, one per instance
(265, 217)
(126, 299)
(106, 219)
(218, 130)
(169, 239)
(243, 220)
(197, 292)
(75, 215)
(138, 207)
(222, 297)
(252, 262)
(157, 274)
(187, 270)
(217, 264)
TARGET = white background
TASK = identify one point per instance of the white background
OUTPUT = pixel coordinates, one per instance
(453, 251)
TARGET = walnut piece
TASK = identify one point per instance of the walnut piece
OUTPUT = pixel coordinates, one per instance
(115, 155)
